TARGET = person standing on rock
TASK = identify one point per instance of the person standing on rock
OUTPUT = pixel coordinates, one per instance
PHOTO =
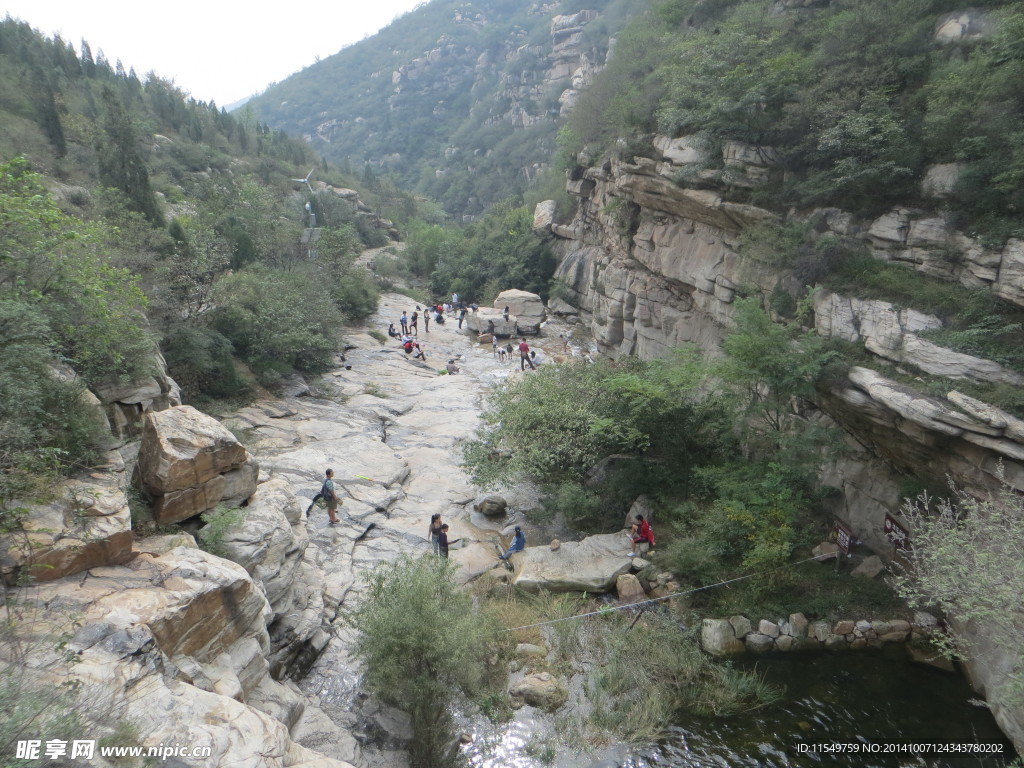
(524, 356)
(494, 345)
(508, 351)
(443, 543)
(426, 319)
(330, 496)
(518, 544)
(462, 316)
(434, 532)
(413, 323)
(455, 299)
(504, 314)
(404, 321)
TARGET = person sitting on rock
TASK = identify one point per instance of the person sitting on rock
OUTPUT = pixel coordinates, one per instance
(642, 533)
(391, 331)
(534, 357)
(518, 544)
(504, 314)
(420, 354)
(452, 367)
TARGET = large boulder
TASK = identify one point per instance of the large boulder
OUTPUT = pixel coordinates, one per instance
(591, 565)
(526, 308)
(542, 690)
(491, 321)
(492, 506)
(185, 461)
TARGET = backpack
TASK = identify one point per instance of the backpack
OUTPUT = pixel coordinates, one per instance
(326, 493)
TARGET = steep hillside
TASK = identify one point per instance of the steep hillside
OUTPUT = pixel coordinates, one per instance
(850, 171)
(141, 230)
(459, 100)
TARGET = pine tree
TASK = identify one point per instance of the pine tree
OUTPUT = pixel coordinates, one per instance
(121, 164)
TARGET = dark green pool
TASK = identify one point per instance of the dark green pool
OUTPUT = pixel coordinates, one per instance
(859, 708)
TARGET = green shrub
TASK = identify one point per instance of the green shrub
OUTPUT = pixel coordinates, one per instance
(215, 526)
(422, 640)
(199, 359)
(278, 320)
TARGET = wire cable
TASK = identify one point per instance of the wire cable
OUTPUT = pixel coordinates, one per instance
(611, 608)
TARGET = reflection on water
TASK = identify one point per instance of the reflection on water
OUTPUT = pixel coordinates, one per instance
(864, 701)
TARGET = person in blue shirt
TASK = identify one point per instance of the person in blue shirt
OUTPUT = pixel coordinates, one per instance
(518, 544)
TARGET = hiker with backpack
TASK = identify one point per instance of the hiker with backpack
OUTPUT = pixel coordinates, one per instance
(329, 496)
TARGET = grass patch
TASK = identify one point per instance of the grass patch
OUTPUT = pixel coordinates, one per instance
(374, 390)
(644, 676)
(638, 677)
(380, 336)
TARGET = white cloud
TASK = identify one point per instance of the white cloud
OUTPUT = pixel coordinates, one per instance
(214, 49)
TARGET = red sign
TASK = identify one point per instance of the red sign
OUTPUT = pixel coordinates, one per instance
(896, 533)
(842, 536)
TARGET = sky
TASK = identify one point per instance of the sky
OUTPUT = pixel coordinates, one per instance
(213, 49)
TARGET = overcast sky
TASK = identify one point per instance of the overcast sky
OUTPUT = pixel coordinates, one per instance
(215, 50)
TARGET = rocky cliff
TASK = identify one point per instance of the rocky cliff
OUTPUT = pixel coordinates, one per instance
(652, 264)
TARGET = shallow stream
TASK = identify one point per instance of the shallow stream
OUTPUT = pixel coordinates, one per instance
(862, 702)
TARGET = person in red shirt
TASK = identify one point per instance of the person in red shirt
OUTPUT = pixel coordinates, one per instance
(524, 356)
(641, 533)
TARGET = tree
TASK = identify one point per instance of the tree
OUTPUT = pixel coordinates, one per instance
(121, 163)
(422, 641)
(968, 560)
(558, 423)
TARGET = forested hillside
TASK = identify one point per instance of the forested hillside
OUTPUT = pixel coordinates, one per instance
(851, 100)
(458, 100)
(135, 220)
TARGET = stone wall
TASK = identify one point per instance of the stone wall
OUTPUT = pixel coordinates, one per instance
(738, 635)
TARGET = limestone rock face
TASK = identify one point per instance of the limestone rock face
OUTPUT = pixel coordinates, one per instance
(270, 543)
(127, 403)
(892, 334)
(184, 461)
(87, 526)
(591, 565)
(188, 629)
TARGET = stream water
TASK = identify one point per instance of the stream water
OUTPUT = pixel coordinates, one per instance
(864, 702)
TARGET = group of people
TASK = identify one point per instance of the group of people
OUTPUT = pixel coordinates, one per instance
(437, 535)
(527, 356)
(437, 531)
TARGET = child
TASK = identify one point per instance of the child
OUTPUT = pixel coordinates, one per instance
(442, 541)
